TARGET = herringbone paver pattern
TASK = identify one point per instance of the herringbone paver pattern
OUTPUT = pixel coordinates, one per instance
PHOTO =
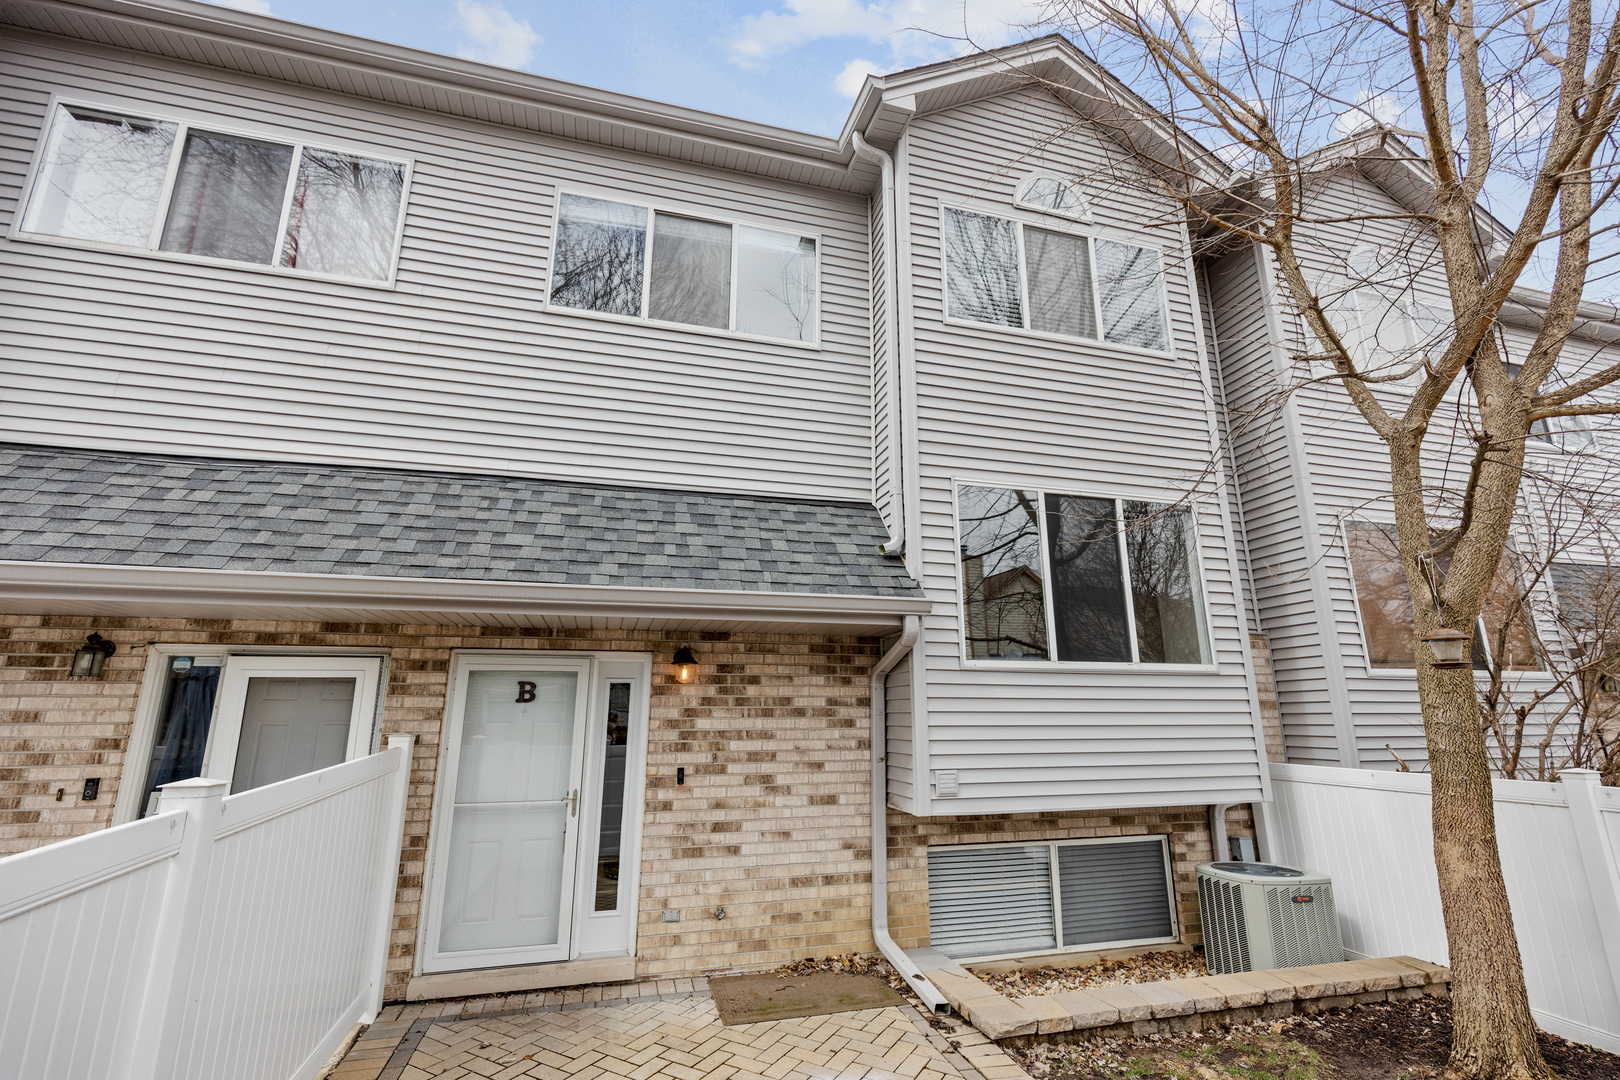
(671, 1037)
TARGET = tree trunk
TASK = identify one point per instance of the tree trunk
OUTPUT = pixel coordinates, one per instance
(1494, 1036)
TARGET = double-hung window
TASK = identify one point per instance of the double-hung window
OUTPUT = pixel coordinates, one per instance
(635, 261)
(157, 185)
(1077, 578)
(1008, 273)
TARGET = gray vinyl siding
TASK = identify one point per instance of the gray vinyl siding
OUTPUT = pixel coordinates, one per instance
(1267, 479)
(998, 404)
(457, 367)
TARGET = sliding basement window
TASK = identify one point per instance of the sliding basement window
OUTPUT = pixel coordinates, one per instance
(987, 901)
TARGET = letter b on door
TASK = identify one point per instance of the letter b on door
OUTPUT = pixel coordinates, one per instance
(525, 692)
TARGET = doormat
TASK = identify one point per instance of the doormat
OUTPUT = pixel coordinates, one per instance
(748, 999)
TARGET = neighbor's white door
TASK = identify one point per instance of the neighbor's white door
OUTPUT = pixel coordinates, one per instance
(503, 874)
(281, 717)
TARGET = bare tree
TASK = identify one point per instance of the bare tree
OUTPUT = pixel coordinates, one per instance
(1512, 92)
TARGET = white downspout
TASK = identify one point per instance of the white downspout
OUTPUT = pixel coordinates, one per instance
(907, 968)
(896, 547)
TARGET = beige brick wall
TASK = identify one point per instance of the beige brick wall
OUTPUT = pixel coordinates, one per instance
(911, 837)
(771, 823)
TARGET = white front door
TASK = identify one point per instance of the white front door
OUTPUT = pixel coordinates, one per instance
(508, 826)
(281, 717)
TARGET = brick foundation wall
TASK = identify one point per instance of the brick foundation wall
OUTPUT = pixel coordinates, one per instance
(772, 823)
(911, 837)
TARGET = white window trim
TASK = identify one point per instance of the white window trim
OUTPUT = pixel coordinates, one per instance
(964, 657)
(138, 750)
(1409, 674)
(1085, 204)
(1057, 899)
(183, 123)
(655, 207)
(1092, 236)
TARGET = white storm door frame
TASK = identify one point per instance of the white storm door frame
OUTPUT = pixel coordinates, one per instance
(432, 959)
(219, 760)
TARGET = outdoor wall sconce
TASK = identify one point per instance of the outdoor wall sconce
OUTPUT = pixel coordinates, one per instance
(92, 657)
(1450, 647)
(685, 664)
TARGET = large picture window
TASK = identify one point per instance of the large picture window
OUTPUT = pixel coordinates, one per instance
(164, 186)
(1387, 619)
(622, 259)
(1008, 273)
(1080, 579)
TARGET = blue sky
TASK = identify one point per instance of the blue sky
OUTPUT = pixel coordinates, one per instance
(795, 63)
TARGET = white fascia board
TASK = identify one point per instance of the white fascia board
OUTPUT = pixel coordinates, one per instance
(22, 582)
(227, 27)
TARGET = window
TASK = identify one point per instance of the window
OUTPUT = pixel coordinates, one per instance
(1386, 327)
(1078, 579)
(1387, 620)
(174, 187)
(621, 259)
(1573, 433)
(1007, 273)
(1007, 899)
(1050, 195)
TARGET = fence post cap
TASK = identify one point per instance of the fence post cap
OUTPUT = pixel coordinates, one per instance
(1579, 775)
(407, 741)
(198, 787)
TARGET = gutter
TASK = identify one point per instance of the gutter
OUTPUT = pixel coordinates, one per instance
(26, 585)
(896, 546)
(907, 967)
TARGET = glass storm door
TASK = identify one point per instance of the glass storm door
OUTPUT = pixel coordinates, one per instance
(281, 717)
(509, 799)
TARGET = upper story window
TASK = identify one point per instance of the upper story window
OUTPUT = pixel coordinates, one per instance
(156, 185)
(1049, 576)
(623, 259)
(1050, 195)
(1007, 273)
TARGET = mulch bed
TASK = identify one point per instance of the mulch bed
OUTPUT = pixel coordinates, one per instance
(1141, 968)
(1396, 1040)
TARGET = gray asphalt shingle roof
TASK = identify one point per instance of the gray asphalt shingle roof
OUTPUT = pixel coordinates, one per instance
(146, 510)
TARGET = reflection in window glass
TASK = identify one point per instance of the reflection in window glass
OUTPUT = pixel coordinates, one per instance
(1129, 290)
(344, 214)
(776, 284)
(1050, 193)
(1088, 588)
(1059, 268)
(183, 722)
(981, 275)
(691, 272)
(608, 836)
(1387, 620)
(1166, 598)
(600, 253)
(227, 198)
(100, 178)
(1004, 600)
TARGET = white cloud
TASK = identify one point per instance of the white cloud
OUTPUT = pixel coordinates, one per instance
(1368, 110)
(850, 80)
(258, 7)
(491, 34)
(916, 31)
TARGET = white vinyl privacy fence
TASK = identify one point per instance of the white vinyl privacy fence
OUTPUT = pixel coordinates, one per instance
(240, 936)
(1560, 847)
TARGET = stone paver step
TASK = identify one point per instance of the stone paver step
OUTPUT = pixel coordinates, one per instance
(1181, 1000)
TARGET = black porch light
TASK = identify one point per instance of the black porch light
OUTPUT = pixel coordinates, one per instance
(92, 657)
(685, 664)
(1450, 647)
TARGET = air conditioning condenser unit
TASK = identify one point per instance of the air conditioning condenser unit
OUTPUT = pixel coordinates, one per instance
(1259, 916)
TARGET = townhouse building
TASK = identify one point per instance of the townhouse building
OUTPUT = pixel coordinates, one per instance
(778, 545)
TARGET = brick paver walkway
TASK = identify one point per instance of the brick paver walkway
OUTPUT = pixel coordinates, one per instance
(638, 1033)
